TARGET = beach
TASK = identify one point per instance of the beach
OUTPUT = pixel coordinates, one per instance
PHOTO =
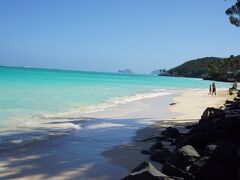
(130, 90)
(107, 146)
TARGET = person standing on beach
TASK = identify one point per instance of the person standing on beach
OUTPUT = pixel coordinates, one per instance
(235, 85)
(210, 89)
(214, 89)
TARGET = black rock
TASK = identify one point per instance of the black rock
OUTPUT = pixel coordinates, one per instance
(183, 157)
(213, 171)
(171, 132)
(230, 125)
(212, 114)
(145, 152)
(155, 146)
(146, 171)
(204, 127)
(169, 140)
(209, 149)
(196, 167)
(222, 164)
(228, 101)
(171, 170)
(160, 155)
(197, 140)
(189, 126)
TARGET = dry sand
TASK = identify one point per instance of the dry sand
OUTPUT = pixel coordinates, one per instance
(191, 104)
(186, 110)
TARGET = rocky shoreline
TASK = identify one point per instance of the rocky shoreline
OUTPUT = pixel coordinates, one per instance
(209, 150)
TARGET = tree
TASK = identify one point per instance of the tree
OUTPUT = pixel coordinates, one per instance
(234, 13)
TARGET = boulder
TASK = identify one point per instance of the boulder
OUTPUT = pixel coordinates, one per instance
(213, 171)
(212, 114)
(209, 149)
(160, 155)
(171, 170)
(189, 126)
(197, 166)
(183, 157)
(171, 132)
(155, 146)
(230, 125)
(146, 152)
(197, 140)
(232, 105)
(223, 162)
(228, 102)
(170, 140)
(146, 171)
(204, 127)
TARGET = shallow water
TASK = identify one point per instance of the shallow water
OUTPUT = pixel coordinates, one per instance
(32, 100)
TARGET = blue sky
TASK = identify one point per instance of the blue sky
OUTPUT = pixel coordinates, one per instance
(108, 35)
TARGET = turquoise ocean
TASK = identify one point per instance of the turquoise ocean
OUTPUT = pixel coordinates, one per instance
(31, 98)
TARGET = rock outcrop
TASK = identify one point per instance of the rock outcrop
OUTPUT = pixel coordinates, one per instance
(210, 149)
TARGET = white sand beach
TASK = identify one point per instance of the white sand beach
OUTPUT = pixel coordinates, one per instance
(105, 148)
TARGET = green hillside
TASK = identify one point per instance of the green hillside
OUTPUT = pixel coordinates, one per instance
(213, 68)
(194, 68)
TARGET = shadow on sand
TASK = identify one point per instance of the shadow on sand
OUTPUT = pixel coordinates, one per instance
(84, 154)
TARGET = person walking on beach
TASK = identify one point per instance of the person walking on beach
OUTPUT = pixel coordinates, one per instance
(210, 89)
(235, 85)
(214, 89)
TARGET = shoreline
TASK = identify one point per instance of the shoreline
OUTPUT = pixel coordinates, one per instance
(78, 155)
(84, 154)
(185, 112)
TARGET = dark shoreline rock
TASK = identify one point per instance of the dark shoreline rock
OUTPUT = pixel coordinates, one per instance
(183, 157)
(171, 132)
(210, 149)
(161, 155)
(172, 170)
(146, 171)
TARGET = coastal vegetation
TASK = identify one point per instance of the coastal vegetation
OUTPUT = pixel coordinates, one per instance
(227, 69)
(193, 68)
(211, 68)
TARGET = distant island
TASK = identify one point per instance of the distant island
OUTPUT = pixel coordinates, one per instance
(209, 68)
(126, 71)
